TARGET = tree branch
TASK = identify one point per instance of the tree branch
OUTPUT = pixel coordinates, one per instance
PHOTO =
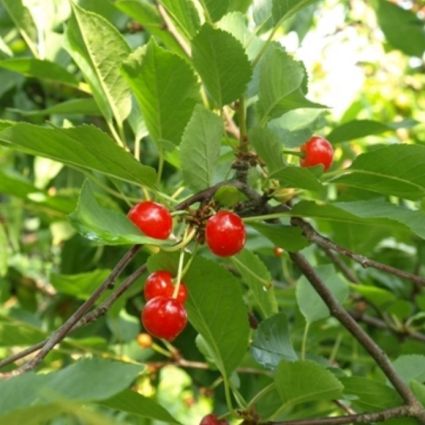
(361, 336)
(311, 234)
(63, 330)
(361, 418)
(86, 319)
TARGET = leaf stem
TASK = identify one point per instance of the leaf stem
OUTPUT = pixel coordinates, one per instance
(304, 342)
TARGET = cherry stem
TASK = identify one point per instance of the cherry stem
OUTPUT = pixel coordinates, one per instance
(294, 153)
(179, 272)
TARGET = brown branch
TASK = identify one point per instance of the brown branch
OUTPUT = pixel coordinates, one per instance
(361, 336)
(345, 270)
(361, 418)
(311, 234)
(86, 319)
(63, 330)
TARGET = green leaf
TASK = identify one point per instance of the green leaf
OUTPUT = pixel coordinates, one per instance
(68, 107)
(222, 64)
(280, 75)
(402, 28)
(24, 21)
(297, 177)
(373, 212)
(18, 187)
(311, 305)
(357, 129)
(380, 297)
(184, 14)
(411, 367)
(4, 251)
(370, 394)
(287, 237)
(272, 342)
(389, 170)
(86, 380)
(41, 69)
(95, 32)
(105, 226)
(256, 275)
(304, 381)
(166, 90)
(268, 147)
(283, 10)
(216, 8)
(79, 285)
(85, 147)
(144, 12)
(200, 148)
(136, 404)
(217, 311)
(14, 334)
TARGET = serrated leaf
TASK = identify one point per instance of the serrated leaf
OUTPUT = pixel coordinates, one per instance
(166, 90)
(268, 147)
(311, 305)
(106, 378)
(41, 69)
(370, 394)
(304, 381)
(222, 63)
(84, 106)
(358, 128)
(287, 237)
(136, 404)
(272, 342)
(84, 147)
(256, 275)
(24, 21)
(145, 13)
(411, 367)
(298, 177)
(105, 226)
(217, 311)
(200, 148)
(373, 212)
(184, 14)
(402, 28)
(280, 75)
(282, 10)
(95, 32)
(389, 170)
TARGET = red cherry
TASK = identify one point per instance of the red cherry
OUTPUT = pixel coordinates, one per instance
(225, 233)
(152, 219)
(160, 284)
(212, 420)
(317, 150)
(164, 317)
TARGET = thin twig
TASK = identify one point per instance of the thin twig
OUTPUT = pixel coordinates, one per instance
(86, 319)
(360, 418)
(380, 324)
(311, 234)
(361, 336)
(345, 270)
(63, 330)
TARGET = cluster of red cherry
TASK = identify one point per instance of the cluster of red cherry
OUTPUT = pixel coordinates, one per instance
(164, 315)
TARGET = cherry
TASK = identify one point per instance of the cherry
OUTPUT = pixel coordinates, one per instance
(152, 219)
(317, 150)
(164, 317)
(212, 420)
(278, 251)
(144, 340)
(225, 233)
(160, 283)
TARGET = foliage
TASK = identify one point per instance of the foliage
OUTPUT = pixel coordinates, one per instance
(201, 106)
